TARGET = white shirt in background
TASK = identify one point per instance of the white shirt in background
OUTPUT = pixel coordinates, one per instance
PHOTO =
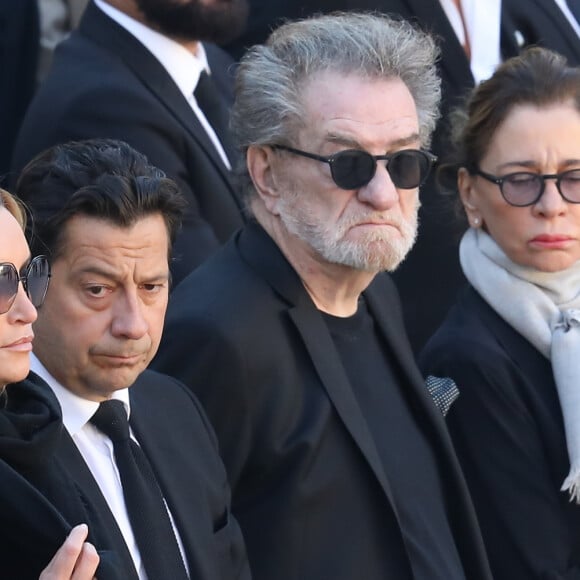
(482, 28)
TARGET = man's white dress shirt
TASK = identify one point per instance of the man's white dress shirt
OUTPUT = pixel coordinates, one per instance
(97, 451)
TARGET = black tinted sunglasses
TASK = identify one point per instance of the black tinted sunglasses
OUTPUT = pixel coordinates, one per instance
(353, 168)
(35, 281)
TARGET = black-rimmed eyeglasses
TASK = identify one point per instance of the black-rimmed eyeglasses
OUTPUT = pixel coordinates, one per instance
(35, 282)
(353, 168)
(522, 189)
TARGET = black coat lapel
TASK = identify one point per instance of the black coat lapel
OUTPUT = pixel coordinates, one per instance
(332, 375)
(169, 445)
(260, 251)
(526, 22)
(429, 417)
(172, 475)
(75, 466)
(522, 352)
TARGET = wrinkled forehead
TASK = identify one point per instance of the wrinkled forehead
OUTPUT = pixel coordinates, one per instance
(145, 233)
(335, 103)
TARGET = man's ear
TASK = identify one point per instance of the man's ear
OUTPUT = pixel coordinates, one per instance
(261, 162)
(469, 197)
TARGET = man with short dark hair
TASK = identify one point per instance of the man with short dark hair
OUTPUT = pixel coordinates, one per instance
(148, 72)
(106, 219)
(292, 335)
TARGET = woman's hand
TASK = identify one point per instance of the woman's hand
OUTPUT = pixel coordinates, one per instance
(75, 560)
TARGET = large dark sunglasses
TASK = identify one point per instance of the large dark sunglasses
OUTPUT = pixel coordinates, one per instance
(35, 281)
(523, 189)
(353, 168)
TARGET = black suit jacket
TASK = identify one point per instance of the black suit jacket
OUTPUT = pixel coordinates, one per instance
(308, 484)
(508, 431)
(105, 83)
(19, 46)
(541, 22)
(181, 447)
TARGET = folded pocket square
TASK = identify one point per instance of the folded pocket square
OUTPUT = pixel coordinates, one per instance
(444, 391)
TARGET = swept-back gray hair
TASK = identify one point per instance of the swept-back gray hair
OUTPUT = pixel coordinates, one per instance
(268, 109)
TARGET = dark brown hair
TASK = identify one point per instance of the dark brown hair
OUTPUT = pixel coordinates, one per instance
(100, 178)
(537, 77)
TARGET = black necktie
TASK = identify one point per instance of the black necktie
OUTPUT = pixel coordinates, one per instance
(147, 512)
(574, 6)
(214, 107)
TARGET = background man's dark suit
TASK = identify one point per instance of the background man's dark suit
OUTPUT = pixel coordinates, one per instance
(308, 484)
(19, 37)
(104, 83)
(540, 22)
(266, 15)
(430, 276)
(507, 427)
(182, 449)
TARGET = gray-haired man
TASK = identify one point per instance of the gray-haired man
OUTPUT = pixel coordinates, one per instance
(292, 336)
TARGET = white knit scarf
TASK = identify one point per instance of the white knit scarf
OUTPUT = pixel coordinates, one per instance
(544, 307)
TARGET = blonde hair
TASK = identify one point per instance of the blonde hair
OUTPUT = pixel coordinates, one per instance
(14, 207)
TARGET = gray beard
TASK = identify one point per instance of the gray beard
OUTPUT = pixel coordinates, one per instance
(375, 252)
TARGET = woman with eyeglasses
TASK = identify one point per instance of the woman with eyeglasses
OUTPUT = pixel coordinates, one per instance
(512, 341)
(29, 422)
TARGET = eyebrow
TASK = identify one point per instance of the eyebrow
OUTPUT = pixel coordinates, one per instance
(97, 272)
(533, 164)
(352, 143)
(112, 275)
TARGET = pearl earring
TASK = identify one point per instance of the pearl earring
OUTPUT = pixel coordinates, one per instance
(476, 222)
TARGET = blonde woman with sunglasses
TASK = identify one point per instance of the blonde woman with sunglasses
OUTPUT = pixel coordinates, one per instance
(27, 420)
